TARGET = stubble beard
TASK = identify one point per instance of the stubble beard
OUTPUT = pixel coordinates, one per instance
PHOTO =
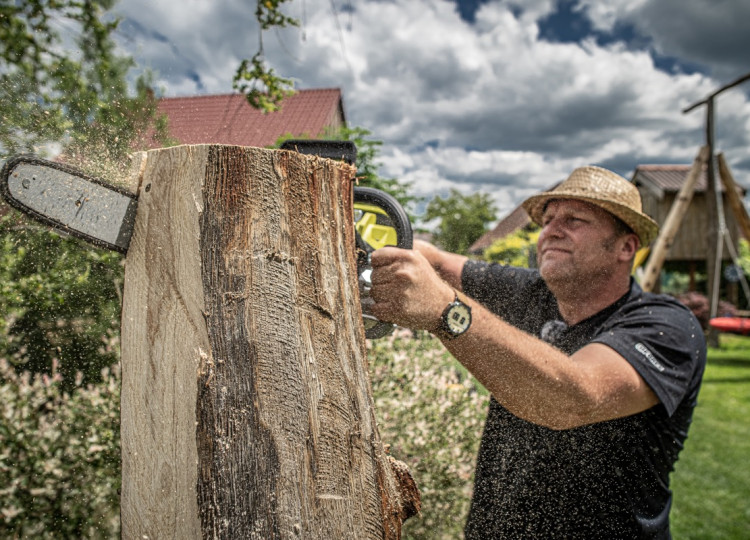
(566, 278)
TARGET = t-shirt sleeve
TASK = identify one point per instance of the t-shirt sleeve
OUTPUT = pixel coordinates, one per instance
(664, 342)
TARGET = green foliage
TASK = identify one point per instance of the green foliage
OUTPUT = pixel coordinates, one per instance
(744, 256)
(263, 88)
(72, 94)
(269, 15)
(59, 457)
(514, 249)
(59, 302)
(432, 415)
(463, 219)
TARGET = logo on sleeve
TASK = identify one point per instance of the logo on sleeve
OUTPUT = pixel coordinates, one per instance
(641, 348)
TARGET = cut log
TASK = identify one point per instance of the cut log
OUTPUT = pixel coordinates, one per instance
(246, 404)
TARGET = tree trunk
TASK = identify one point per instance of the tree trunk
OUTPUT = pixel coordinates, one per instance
(246, 404)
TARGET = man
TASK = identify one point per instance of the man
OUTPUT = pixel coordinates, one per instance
(593, 381)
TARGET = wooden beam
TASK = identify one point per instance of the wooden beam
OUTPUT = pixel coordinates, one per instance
(709, 98)
(733, 197)
(672, 224)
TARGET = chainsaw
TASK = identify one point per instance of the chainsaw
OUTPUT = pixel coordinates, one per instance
(82, 206)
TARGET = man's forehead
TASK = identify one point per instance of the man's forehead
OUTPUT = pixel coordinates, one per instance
(572, 205)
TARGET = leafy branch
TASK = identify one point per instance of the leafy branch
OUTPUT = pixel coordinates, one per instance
(263, 88)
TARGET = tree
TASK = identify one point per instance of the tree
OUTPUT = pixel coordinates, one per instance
(75, 98)
(263, 88)
(246, 406)
(59, 298)
(463, 219)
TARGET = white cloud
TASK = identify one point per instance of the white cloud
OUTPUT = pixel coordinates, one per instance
(485, 106)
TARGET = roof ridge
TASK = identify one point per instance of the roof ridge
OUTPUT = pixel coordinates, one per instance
(656, 167)
(238, 94)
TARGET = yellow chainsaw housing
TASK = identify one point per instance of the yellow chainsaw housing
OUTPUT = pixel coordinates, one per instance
(373, 225)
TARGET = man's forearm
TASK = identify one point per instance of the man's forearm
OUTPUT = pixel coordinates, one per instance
(543, 385)
(449, 266)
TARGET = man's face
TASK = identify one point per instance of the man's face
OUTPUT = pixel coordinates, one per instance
(577, 243)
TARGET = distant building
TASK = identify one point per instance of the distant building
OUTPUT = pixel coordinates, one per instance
(229, 119)
(659, 186)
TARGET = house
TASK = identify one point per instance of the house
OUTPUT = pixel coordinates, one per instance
(517, 219)
(229, 119)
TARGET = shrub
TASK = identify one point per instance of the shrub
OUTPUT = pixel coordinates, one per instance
(59, 301)
(432, 414)
(516, 249)
(59, 456)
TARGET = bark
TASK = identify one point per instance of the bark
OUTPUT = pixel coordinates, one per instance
(246, 405)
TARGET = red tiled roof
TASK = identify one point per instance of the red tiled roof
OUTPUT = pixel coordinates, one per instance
(229, 119)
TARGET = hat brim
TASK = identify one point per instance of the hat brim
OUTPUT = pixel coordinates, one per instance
(643, 226)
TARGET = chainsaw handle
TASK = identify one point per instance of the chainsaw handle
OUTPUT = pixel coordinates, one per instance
(392, 208)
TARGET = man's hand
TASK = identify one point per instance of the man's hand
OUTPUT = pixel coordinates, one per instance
(406, 289)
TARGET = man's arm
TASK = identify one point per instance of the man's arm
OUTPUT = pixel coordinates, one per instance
(449, 266)
(543, 385)
(530, 378)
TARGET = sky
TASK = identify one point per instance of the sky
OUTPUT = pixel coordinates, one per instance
(496, 96)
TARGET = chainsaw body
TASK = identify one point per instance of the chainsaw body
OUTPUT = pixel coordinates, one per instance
(379, 221)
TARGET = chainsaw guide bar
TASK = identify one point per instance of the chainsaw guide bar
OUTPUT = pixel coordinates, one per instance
(70, 201)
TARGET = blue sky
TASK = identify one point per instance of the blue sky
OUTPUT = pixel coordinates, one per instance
(499, 96)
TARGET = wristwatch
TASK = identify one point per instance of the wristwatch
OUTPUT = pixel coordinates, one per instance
(455, 320)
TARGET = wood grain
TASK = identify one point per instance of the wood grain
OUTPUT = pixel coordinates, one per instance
(246, 404)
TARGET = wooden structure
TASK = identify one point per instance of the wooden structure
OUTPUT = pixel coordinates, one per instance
(716, 233)
(659, 186)
(246, 406)
(671, 223)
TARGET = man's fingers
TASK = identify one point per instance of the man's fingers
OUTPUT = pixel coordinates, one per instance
(389, 255)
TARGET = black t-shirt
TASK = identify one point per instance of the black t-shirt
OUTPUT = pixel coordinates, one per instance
(607, 480)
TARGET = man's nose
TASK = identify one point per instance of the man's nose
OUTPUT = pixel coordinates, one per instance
(551, 229)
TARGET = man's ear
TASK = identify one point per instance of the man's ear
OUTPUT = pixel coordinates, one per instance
(629, 246)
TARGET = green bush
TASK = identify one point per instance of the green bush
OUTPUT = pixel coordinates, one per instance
(59, 302)
(59, 456)
(432, 415)
(516, 249)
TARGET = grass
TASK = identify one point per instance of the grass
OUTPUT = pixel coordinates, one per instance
(711, 482)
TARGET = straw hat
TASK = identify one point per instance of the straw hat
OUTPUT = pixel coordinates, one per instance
(604, 189)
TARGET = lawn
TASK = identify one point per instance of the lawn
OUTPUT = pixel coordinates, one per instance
(711, 482)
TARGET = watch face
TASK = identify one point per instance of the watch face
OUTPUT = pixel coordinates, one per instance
(458, 318)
